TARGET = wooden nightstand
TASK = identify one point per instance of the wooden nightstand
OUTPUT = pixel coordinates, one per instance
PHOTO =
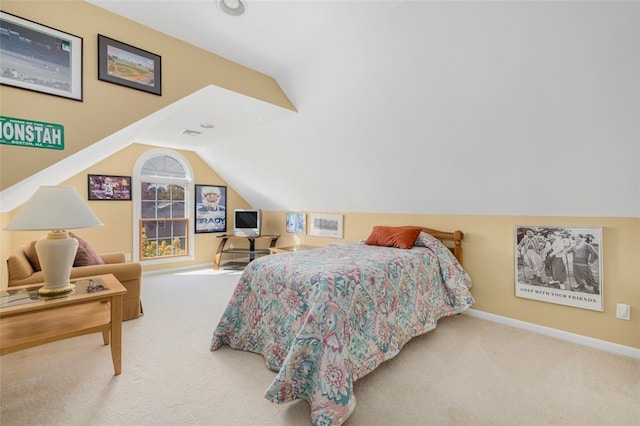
(275, 250)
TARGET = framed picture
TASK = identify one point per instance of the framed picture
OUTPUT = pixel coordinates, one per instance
(296, 223)
(40, 58)
(559, 264)
(109, 188)
(211, 209)
(325, 225)
(129, 66)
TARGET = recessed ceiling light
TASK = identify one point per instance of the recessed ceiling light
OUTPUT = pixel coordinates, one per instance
(207, 126)
(232, 7)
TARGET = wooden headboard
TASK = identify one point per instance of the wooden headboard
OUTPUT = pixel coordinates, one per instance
(453, 240)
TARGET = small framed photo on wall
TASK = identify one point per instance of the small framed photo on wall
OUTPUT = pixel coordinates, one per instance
(325, 225)
(109, 188)
(210, 209)
(297, 223)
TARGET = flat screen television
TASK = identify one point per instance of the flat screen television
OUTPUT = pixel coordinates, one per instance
(246, 222)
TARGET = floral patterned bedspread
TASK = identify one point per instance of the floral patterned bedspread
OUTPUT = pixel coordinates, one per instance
(324, 318)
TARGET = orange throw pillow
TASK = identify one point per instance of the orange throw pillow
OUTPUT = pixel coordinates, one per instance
(390, 236)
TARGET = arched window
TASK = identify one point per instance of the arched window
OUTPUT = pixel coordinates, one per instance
(162, 194)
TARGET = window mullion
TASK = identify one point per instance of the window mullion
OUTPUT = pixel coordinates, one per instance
(163, 228)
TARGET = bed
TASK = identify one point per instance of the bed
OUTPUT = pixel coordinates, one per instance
(323, 318)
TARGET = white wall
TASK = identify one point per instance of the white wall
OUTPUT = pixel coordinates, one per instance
(460, 108)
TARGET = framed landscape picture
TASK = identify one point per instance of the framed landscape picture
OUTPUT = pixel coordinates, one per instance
(109, 188)
(129, 66)
(40, 58)
(559, 264)
(325, 225)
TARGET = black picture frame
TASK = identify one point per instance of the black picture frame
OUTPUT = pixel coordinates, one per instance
(108, 188)
(210, 216)
(39, 58)
(129, 66)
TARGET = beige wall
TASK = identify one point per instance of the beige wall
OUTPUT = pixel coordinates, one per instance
(488, 240)
(117, 216)
(489, 259)
(104, 110)
(185, 69)
(488, 250)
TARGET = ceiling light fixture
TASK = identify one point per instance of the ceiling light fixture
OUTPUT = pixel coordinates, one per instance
(207, 126)
(232, 7)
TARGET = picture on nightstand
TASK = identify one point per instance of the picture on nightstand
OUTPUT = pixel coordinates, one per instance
(297, 223)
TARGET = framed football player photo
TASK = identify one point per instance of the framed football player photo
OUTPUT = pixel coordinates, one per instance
(210, 209)
(108, 188)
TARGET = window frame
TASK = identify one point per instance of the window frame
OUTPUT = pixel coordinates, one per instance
(187, 181)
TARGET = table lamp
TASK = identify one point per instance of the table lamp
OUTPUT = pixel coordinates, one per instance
(55, 209)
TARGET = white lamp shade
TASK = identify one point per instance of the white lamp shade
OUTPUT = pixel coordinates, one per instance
(52, 208)
(55, 208)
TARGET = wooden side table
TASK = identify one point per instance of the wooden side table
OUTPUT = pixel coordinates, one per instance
(28, 320)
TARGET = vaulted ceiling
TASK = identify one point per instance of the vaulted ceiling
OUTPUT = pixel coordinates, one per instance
(272, 36)
(422, 106)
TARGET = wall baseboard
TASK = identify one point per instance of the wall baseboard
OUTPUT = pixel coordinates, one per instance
(178, 269)
(547, 331)
(559, 334)
(208, 265)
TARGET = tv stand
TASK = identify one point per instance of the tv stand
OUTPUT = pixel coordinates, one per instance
(252, 251)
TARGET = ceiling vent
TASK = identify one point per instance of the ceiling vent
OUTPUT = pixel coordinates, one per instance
(190, 132)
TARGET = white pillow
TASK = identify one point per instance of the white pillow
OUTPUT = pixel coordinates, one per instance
(426, 240)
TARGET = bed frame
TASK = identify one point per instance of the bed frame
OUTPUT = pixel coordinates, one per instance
(453, 240)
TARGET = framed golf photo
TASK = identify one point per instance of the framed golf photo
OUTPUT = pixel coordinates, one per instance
(559, 264)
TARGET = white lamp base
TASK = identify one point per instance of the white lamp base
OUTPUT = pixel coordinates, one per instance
(45, 291)
(56, 254)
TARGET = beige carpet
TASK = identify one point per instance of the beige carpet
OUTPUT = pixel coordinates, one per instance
(467, 371)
